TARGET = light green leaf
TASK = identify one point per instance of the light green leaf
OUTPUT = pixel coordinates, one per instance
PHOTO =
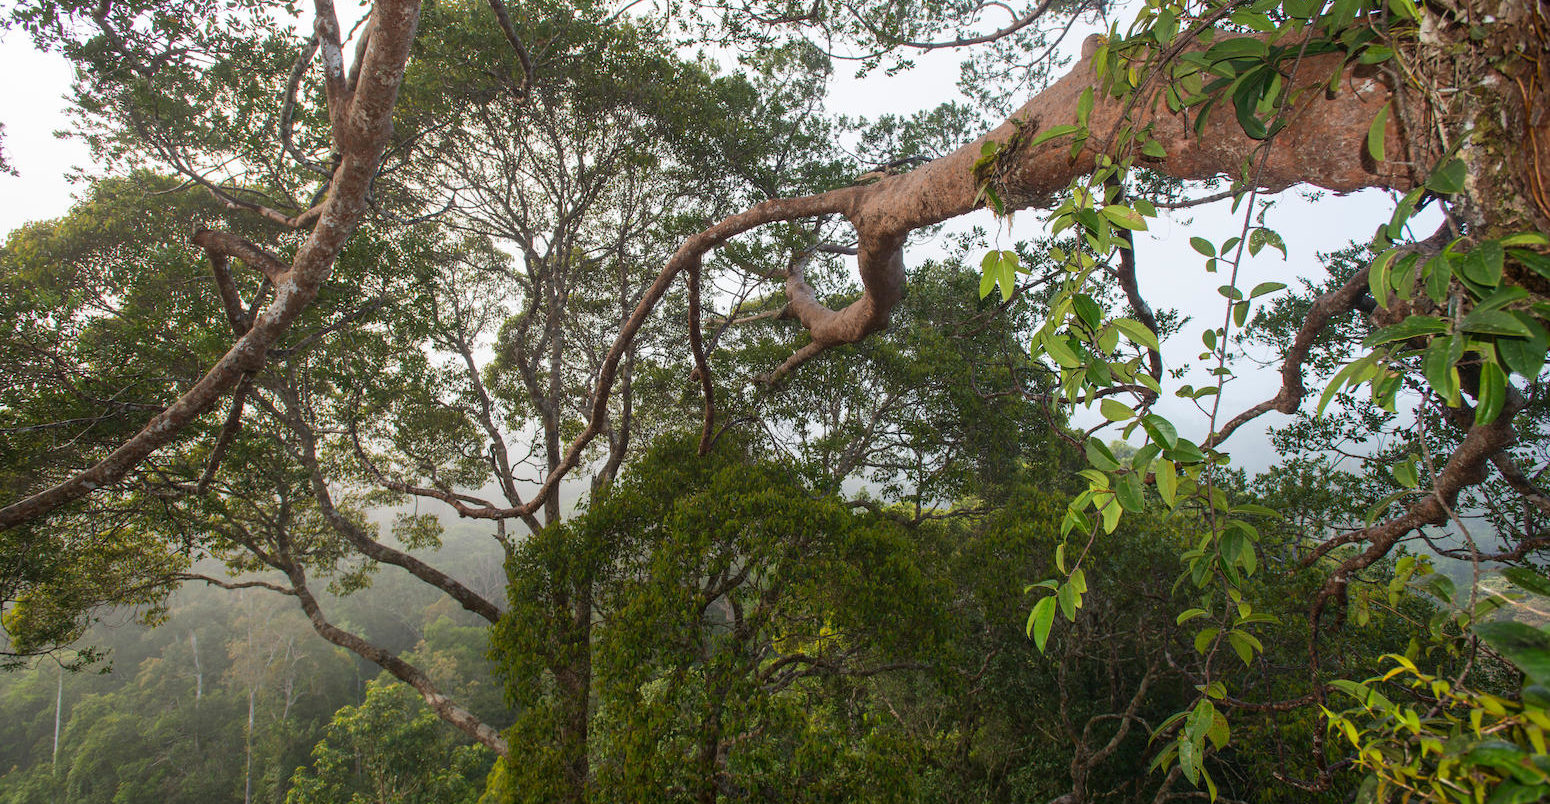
(1114, 410)
(1124, 217)
(1376, 132)
(1040, 621)
(1266, 287)
(1138, 333)
(1167, 481)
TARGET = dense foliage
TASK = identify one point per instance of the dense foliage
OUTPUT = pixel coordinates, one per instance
(574, 281)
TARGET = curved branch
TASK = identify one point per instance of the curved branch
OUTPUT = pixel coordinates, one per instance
(1013, 27)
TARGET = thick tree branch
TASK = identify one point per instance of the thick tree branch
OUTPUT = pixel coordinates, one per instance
(368, 127)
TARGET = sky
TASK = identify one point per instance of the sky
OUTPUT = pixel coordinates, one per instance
(1170, 273)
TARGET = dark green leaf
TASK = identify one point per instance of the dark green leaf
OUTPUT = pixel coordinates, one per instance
(1524, 645)
(1412, 326)
(1493, 393)
(1449, 179)
(1528, 580)
(1099, 456)
(1494, 322)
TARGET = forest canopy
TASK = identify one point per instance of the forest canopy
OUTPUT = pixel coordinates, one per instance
(781, 476)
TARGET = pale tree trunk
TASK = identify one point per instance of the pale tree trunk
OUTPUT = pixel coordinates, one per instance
(59, 705)
(199, 684)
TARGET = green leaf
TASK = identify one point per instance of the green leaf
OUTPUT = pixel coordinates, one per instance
(1203, 246)
(1186, 451)
(1437, 365)
(1255, 509)
(1128, 492)
(1068, 601)
(1114, 410)
(1528, 580)
(1204, 638)
(1242, 644)
(1526, 356)
(1376, 132)
(1250, 89)
(1189, 614)
(1161, 430)
(987, 277)
(1502, 297)
(1406, 9)
(1376, 509)
(1261, 237)
(1189, 761)
(1079, 581)
(1378, 277)
(1052, 132)
(1266, 287)
(1437, 585)
(1058, 348)
(1238, 48)
(1439, 273)
(1040, 620)
(1413, 326)
(1089, 311)
(1494, 322)
(1449, 179)
(1493, 393)
(1527, 647)
(1405, 473)
(1138, 333)
(1154, 149)
(1124, 217)
(1099, 455)
(1483, 265)
(1340, 380)
(1538, 263)
(1084, 107)
(1111, 514)
(1167, 481)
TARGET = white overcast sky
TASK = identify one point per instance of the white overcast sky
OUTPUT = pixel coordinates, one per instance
(1171, 274)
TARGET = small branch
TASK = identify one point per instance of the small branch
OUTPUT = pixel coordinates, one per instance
(965, 41)
(236, 316)
(288, 108)
(697, 346)
(227, 435)
(234, 585)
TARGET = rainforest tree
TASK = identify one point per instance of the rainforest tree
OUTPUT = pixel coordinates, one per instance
(603, 179)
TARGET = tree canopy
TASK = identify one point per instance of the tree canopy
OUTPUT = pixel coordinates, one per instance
(334, 289)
